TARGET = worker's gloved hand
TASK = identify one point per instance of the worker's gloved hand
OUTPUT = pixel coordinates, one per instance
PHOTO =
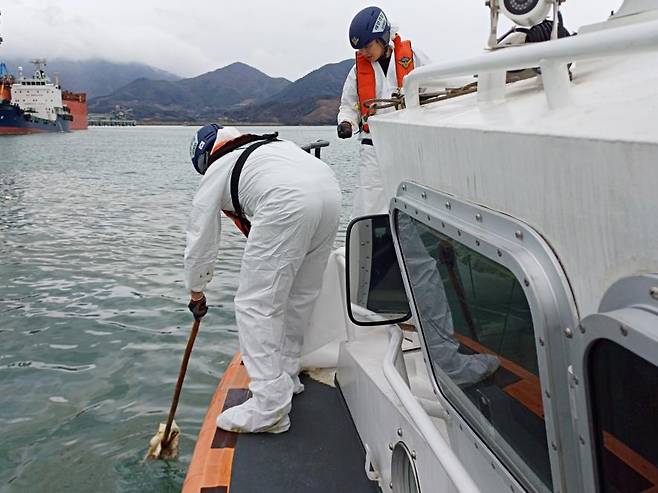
(198, 307)
(344, 130)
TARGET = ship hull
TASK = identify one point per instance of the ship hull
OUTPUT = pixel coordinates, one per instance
(14, 121)
(77, 104)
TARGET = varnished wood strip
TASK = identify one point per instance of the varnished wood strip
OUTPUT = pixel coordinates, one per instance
(217, 468)
(528, 394)
(518, 370)
(240, 379)
(631, 458)
(212, 467)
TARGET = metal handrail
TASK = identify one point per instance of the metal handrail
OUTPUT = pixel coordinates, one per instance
(447, 458)
(551, 56)
(315, 146)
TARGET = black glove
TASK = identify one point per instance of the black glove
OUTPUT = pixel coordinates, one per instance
(344, 130)
(198, 308)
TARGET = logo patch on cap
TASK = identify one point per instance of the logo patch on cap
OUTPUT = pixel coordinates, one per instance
(355, 41)
(380, 24)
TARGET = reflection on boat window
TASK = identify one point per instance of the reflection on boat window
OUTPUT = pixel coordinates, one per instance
(386, 290)
(477, 327)
(375, 278)
(624, 403)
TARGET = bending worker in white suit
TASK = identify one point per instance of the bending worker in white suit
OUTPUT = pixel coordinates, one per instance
(381, 64)
(288, 203)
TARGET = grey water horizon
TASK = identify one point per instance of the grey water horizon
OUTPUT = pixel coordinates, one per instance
(93, 315)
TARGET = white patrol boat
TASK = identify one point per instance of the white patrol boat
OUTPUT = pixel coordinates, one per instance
(521, 242)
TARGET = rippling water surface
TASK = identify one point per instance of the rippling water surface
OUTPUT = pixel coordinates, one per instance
(93, 317)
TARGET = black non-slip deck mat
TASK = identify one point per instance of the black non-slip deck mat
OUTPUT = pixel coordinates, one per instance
(321, 453)
(226, 439)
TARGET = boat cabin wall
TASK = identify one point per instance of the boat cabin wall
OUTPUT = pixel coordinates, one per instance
(589, 199)
(631, 7)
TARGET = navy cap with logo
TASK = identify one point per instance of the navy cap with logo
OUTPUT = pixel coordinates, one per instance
(369, 24)
(201, 146)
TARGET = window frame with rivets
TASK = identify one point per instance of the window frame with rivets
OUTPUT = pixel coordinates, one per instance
(510, 252)
(613, 384)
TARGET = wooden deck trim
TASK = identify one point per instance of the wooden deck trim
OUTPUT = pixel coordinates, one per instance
(211, 468)
(518, 370)
(528, 392)
(632, 459)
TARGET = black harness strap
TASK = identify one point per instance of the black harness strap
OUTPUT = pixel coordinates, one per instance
(235, 181)
(239, 217)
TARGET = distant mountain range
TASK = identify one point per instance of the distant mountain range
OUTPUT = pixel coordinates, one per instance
(237, 93)
(207, 96)
(95, 77)
(311, 100)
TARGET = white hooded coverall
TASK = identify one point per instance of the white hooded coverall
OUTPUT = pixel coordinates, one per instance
(293, 201)
(370, 196)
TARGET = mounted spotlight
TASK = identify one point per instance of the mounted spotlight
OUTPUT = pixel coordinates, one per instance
(526, 13)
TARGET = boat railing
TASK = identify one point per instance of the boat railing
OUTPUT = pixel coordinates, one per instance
(451, 464)
(552, 57)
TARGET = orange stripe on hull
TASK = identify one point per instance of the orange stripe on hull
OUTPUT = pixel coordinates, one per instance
(21, 131)
(211, 467)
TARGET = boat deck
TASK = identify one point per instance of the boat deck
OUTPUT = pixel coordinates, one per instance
(321, 452)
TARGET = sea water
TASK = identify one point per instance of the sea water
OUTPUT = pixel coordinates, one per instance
(93, 315)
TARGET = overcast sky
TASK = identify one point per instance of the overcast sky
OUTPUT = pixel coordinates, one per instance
(286, 38)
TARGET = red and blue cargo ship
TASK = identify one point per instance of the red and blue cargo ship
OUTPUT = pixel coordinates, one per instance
(36, 104)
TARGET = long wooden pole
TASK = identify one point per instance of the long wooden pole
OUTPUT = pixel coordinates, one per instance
(447, 256)
(179, 384)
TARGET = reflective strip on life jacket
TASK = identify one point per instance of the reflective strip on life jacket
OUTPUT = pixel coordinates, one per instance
(366, 81)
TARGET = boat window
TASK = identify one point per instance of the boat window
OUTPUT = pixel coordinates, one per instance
(624, 404)
(479, 335)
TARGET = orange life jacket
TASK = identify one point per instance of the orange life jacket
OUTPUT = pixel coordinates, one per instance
(366, 79)
(239, 222)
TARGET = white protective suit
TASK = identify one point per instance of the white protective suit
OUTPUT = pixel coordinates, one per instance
(435, 314)
(293, 201)
(370, 197)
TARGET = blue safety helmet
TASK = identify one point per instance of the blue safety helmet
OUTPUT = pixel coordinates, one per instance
(371, 23)
(208, 139)
(201, 146)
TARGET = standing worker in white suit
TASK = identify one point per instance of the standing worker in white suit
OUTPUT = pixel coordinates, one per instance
(382, 62)
(288, 204)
